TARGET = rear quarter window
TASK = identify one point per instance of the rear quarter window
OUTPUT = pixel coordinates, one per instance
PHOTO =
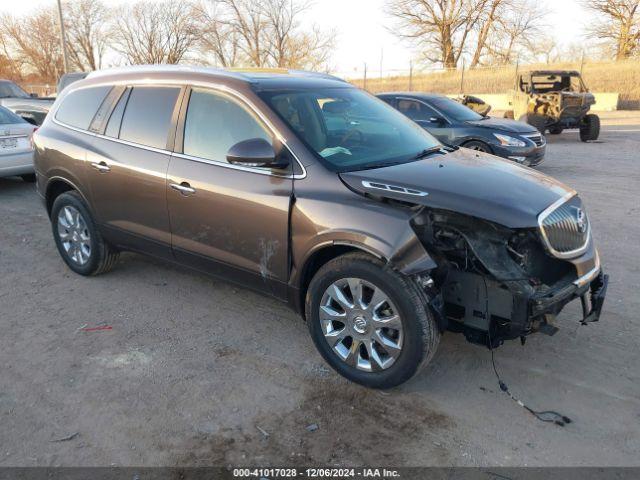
(79, 107)
(147, 117)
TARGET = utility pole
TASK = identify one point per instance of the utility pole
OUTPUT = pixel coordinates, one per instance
(381, 57)
(365, 75)
(63, 40)
(410, 75)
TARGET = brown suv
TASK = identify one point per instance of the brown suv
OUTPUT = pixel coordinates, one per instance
(308, 189)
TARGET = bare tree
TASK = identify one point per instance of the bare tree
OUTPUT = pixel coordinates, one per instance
(264, 33)
(150, 32)
(519, 31)
(439, 28)
(485, 25)
(34, 41)
(86, 26)
(618, 25)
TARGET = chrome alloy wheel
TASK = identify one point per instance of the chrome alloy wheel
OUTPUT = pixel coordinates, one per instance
(361, 324)
(74, 235)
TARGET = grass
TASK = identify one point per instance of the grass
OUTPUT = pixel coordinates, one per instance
(622, 77)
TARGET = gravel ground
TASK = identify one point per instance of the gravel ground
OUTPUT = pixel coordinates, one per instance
(197, 372)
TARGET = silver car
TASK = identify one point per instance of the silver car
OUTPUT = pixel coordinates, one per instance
(16, 149)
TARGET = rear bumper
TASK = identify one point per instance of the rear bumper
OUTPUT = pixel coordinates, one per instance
(16, 164)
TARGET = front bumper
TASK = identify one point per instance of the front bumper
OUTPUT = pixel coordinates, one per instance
(528, 156)
(591, 294)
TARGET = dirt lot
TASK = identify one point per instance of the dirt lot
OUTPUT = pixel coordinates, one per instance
(196, 371)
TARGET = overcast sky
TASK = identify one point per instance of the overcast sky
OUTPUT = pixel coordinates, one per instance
(362, 33)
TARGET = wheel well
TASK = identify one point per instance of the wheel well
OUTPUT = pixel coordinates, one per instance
(478, 141)
(54, 190)
(316, 261)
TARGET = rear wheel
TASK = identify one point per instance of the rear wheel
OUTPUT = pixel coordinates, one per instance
(590, 128)
(370, 323)
(555, 130)
(78, 240)
(478, 146)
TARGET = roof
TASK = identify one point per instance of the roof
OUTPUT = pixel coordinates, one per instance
(258, 77)
(554, 72)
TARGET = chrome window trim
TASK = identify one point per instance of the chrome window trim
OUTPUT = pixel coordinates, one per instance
(217, 163)
(545, 213)
(591, 274)
(193, 83)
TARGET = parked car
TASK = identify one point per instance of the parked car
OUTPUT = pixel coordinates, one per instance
(457, 125)
(310, 190)
(29, 107)
(16, 150)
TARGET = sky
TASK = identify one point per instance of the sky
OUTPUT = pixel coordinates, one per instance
(363, 34)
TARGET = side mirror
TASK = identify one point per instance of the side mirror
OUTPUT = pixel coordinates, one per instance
(255, 152)
(33, 95)
(437, 120)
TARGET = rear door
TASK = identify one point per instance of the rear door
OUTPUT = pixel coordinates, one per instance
(226, 219)
(128, 163)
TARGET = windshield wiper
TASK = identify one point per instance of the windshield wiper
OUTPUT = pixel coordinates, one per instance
(426, 152)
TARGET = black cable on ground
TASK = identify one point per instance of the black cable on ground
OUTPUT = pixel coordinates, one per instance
(544, 416)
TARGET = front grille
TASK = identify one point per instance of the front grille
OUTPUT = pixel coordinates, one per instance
(536, 138)
(565, 228)
(572, 101)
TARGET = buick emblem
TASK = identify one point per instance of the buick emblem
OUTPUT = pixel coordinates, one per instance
(581, 220)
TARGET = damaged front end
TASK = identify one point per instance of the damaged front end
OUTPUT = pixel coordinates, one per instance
(496, 283)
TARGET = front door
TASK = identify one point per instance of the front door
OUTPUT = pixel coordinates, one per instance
(227, 220)
(428, 118)
(127, 169)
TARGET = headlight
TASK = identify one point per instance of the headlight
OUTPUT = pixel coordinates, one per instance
(507, 141)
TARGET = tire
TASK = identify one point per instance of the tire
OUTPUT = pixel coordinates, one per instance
(79, 242)
(417, 334)
(478, 146)
(556, 130)
(590, 128)
(508, 114)
(28, 177)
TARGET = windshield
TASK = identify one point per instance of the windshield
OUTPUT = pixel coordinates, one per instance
(10, 89)
(350, 129)
(455, 110)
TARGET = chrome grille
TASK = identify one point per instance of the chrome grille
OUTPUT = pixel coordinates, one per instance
(536, 138)
(565, 228)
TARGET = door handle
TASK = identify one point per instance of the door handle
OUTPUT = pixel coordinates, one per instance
(102, 167)
(184, 188)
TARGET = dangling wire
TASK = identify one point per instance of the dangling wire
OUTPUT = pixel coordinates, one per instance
(544, 416)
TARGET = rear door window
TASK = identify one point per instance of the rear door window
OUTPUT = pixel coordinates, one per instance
(113, 125)
(148, 115)
(79, 107)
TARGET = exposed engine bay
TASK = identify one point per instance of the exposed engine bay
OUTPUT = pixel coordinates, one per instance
(494, 283)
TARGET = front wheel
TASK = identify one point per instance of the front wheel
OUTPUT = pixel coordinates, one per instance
(370, 323)
(478, 146)
(78, 240)
(590, 128)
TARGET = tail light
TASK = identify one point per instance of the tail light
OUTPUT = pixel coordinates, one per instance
(33, 145)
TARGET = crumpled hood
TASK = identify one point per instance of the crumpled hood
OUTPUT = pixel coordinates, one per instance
(468, 182)
(504, 124)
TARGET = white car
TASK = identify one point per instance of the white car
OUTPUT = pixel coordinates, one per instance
(16, 149)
